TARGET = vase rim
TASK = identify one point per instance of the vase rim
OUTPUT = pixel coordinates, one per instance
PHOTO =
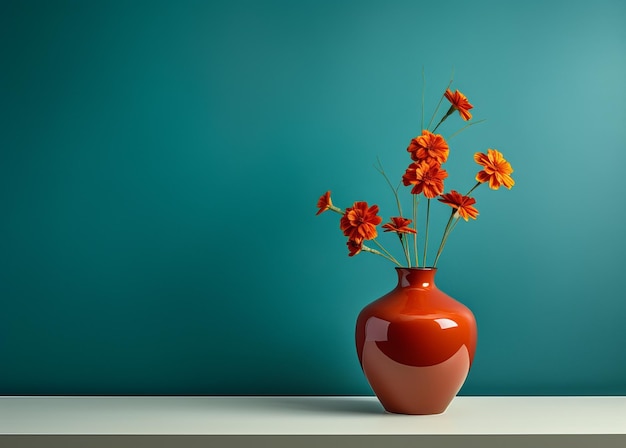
(416, 268)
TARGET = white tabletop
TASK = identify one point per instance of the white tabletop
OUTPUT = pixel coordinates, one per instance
(306, 415)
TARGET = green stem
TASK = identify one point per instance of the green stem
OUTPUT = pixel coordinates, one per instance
(452, 228)
(364, 248)
(389, 256)
(423, 90)
(380, 169)
(439, 104)
(405, 249)
(417, 263)
(426, 232)
(465, 127)
(444, 237)
(473, 188)
(454, 225)
(448, 230)
(450, 111)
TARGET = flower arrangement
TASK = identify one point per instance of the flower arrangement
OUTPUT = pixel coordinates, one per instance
(425, 176)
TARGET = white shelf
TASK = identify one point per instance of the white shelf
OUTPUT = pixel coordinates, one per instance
(309, 416)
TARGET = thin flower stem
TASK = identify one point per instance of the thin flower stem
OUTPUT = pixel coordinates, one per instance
(335, 209)
(375, 252)
(423, 90)
(439, 104)
(465, 127)
(426, 232)
(417, 263)
(473, 188)
(450, 111)
(458, 218)
(405, 249)
(443, 237)
(449, 232)
(380, 169)
(389, 256)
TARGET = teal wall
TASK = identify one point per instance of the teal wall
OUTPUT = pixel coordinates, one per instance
(160, 162)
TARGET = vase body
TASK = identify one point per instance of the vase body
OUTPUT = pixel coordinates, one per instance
(416, 344)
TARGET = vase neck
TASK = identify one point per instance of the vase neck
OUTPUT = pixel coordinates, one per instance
(423, 278)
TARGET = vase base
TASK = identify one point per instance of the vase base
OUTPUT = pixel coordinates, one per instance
(416, 412)
(414, 390)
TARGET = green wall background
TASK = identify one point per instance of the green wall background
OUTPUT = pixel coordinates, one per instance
(160, 162)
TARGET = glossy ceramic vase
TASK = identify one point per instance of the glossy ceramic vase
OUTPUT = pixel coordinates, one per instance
(416, 344)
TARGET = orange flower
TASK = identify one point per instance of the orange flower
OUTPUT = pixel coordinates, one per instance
(460, 103)
(425, 178)
(354, 247)
(359, 222)
(399, 224)
(497, 170)
(324, 203)
(429, 147)
(462, 204)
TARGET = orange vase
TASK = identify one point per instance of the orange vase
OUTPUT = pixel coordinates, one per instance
(416, 344)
